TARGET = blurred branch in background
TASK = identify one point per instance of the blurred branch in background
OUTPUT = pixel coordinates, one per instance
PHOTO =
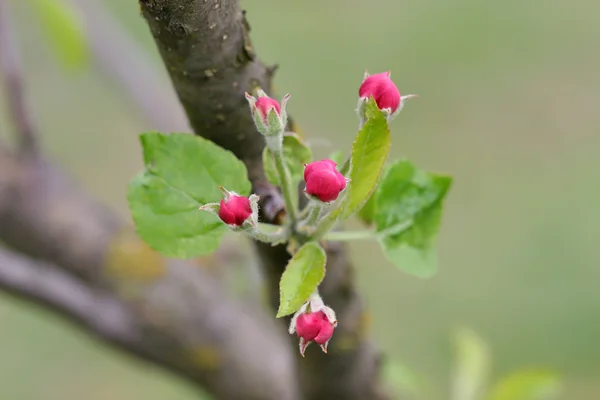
(46, 283)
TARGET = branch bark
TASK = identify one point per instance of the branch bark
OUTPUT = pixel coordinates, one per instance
(206, 48)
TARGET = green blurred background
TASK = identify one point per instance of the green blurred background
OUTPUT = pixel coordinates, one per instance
(509, 106)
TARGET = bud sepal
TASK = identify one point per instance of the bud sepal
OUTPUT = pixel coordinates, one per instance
(269, 116)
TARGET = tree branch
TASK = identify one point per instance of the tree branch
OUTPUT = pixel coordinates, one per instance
(211, 342)
(178, 315)
(10, 64)
(207, 50)
(47, 284)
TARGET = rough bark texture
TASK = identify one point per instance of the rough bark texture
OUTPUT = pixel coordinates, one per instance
(207, 51)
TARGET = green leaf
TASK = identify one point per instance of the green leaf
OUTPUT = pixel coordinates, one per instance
(64, 29)
(527, 384)
(182, 173)
(408, 208)
(295, 154)
(367, 213)
(472, 365)
(369, 154)
(301, 277)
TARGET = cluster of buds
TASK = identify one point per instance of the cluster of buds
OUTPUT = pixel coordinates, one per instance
(313, 322)
(386, 94)
(323, 181)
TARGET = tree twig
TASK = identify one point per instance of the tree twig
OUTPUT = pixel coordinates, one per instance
(10, 64)
(172, 313)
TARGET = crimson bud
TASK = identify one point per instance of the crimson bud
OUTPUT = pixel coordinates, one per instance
(265, 104)
(235, 210)
(383, 90)
(323, 180)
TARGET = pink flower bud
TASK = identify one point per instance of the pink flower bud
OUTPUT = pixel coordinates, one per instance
(323, 180)
(235, 210)
(314, 327)
(269, 116)
(265, 104)
(383, 90)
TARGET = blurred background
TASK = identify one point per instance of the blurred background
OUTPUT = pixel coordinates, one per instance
(509, 107)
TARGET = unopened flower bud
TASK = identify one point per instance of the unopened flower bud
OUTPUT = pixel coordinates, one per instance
(240, 213)
(269, 116)
(314, 322)
(235, 210)
(265, 104)
(384, 92)
(323, 180)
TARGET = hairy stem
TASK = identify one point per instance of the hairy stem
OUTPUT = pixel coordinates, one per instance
(279, 236)
(286, 186)
(326, 223)
(314, 211)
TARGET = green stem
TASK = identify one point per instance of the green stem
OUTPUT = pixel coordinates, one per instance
(304, 213)
(313, 214)
(286, 187)
(343, 236)
(280, 235)
(326, 224)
